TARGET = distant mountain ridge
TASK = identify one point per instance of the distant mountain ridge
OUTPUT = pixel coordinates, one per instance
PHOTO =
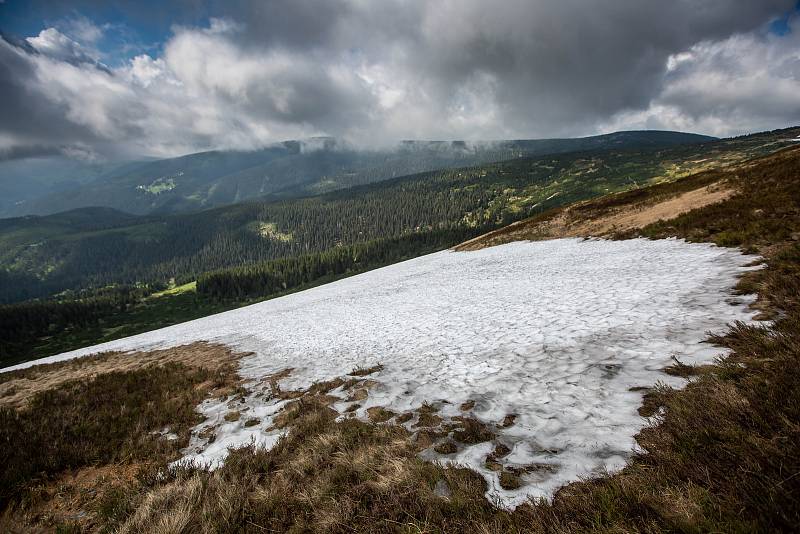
(298, 168)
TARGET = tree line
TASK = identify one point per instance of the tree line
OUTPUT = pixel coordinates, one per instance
(23, 322)
(276, 276)
(185, 246)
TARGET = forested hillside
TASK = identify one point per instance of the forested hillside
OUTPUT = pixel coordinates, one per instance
(27, 179)
(40, 256)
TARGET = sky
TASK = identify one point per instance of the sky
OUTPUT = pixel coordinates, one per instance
(100, 80)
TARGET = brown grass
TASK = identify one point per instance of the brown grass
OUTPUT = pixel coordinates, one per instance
(473, 431)
(366, 370)
(86, 433)
(18, 387)
(572, 222)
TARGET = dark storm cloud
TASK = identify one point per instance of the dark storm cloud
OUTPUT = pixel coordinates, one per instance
(25, 152)
(532, 68)
(258, 72)
(296, 24)
(30, 123)
(560, 66)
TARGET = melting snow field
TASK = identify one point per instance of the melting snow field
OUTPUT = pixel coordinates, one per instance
(555, 332)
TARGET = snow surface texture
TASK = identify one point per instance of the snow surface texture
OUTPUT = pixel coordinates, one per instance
(556, 332)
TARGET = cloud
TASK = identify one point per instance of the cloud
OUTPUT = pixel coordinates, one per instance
(378, 72)
(29, 119)
(83, 30)
(56, 45)
(742, 84)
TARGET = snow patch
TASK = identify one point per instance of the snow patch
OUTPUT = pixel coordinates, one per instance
(556, 332)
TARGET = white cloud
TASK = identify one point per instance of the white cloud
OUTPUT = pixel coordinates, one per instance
(55, 44)
(144, 69)
(83, 30)
(675, 60)
(745, 83)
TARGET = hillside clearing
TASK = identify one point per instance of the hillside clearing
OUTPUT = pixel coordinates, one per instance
(188, 287)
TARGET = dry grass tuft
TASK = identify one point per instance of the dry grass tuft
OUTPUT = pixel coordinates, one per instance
(473, 431)
(377, 414)
(467, 406)
(446, 447)
(114, 419)
(364, 371)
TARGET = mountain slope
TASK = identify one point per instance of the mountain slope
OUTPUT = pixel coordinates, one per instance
(643, 211)
(720, 455)
(296, 168)
(25, 180)
(54, 253)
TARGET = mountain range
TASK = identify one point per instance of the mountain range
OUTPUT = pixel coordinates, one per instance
(286, 170)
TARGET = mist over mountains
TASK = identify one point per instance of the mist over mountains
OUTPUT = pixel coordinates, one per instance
(285, 170)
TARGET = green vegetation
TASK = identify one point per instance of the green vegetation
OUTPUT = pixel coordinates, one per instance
(188, 287)
(270, 230)
(275, 276)
(38, 329)
(158, 186)
(20, 324)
